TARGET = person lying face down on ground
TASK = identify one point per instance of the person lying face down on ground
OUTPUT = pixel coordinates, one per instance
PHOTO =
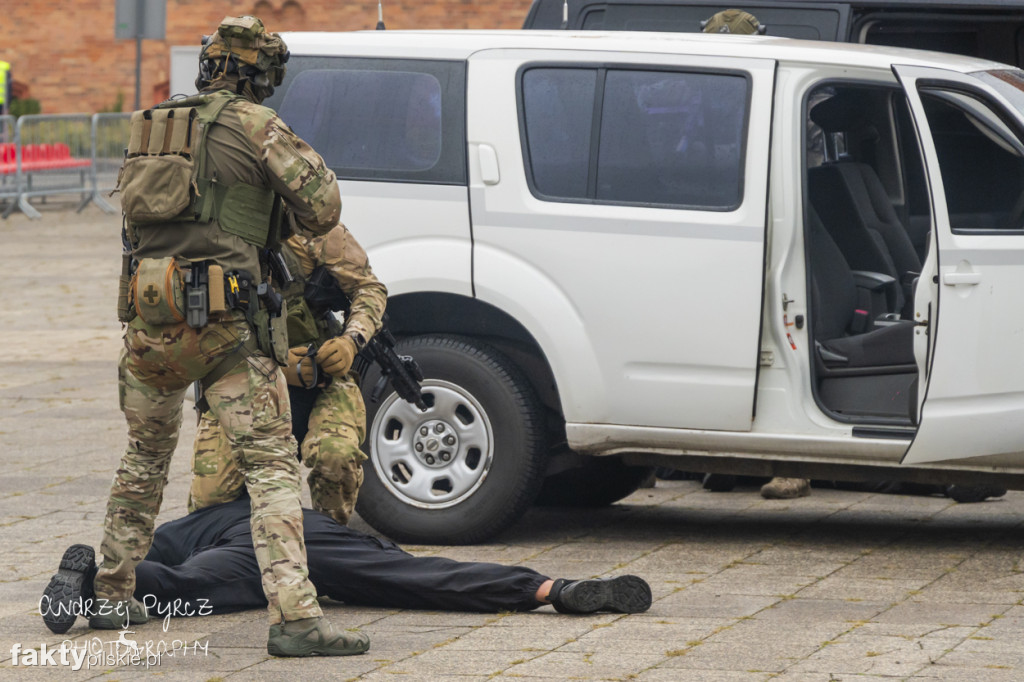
(205, 563)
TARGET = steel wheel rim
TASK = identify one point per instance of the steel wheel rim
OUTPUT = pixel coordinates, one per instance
(408, 448)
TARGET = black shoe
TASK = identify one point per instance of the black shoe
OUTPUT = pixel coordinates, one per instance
(965, 494)
(70, 587)
(622, 594)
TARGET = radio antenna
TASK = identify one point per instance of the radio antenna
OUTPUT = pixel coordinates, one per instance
(380, 16)
(565, 14)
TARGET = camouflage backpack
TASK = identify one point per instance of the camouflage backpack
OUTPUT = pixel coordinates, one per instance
(164, 178)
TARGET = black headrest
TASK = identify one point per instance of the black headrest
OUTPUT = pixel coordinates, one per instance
(843, 111)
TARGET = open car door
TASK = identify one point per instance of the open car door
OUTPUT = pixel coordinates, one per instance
(970, 299)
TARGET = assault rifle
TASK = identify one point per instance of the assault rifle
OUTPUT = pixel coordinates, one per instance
(326, 300)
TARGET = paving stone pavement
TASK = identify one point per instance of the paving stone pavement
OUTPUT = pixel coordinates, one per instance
(836, 586)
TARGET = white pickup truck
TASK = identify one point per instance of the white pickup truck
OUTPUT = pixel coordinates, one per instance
(614, 251)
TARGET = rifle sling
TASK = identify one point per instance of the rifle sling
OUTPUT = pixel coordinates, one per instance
(227, 363)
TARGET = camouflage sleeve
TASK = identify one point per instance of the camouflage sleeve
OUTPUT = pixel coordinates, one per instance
(346, 260)
(296, 172)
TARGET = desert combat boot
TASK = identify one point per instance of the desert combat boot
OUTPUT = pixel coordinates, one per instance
(314, 637)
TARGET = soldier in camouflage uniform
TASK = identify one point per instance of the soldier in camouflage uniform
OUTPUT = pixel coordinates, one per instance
(337, 421)
(245, 155)
(732, 21)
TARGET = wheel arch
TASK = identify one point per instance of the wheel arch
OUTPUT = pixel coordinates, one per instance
(446, 313)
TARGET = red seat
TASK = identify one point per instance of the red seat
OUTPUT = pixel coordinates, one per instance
(64, 154)
(45, 158)
(28, 157)
(7, 158)
(39, 157)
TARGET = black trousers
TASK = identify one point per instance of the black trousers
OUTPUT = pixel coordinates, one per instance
(208, 555)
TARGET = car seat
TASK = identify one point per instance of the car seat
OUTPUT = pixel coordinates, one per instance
(852, 201)
(838, 316)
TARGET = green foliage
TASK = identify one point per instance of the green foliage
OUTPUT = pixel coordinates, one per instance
(21, 107)
(117, 107)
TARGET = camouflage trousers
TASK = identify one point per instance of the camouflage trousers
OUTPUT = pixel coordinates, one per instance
(337, 426)
(157, 366)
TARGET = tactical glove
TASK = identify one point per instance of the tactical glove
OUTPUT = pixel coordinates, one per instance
(335, 355)
(291, 370)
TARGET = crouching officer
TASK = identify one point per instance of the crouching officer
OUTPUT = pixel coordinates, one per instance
(202, 180)
(328, 411)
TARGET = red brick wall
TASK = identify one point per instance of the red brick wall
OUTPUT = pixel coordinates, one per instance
(65, 52)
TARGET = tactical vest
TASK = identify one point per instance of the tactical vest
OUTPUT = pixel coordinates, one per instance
(161, 182)
(303, 328)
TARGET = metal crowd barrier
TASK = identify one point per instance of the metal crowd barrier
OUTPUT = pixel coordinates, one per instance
(59, 154)
(110, 137)
(8, 181)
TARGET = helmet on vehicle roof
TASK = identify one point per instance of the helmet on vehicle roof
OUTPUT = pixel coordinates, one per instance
(241, 46)
(732, 21)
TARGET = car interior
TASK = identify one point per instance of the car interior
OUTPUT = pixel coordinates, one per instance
(867, 225)
(863, 264)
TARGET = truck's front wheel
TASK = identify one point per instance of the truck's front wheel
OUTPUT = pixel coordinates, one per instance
(469, 466)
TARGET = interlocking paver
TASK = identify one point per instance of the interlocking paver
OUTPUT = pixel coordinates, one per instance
(838, 585)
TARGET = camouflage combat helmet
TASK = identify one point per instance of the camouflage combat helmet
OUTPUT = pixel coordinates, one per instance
(242, 46)
(732, 21)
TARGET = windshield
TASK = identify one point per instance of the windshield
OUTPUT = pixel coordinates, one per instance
(1008, 82)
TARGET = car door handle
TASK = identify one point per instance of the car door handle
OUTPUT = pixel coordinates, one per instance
(954, 278)
(489, 173)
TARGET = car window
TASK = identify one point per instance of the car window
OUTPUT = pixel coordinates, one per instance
(387, 119)
(667, 138)
(981, 159)
(560, 105)
(593, 20)
(804, 22)
(972, 34)
(671, 138)
(368, 119)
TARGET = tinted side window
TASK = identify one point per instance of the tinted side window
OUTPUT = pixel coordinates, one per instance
(975, 34)
(368, 120)
(671, 138)
(593, 20)
(560, 105)
(806, 23)
(385, 119)
(667, 138)
(981, 160)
